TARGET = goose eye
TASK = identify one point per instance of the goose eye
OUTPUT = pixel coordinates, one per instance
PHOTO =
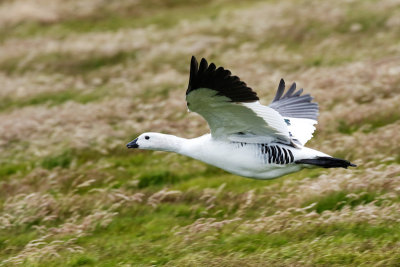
(147, 137)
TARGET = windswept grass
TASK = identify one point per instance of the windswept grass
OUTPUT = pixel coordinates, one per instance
(80, 79)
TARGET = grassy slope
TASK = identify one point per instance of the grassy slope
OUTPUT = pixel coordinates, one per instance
(77, 85)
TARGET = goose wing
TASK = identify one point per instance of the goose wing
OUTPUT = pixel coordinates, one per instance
(298, 111)
(231, 108)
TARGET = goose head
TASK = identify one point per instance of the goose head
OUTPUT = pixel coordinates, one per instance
(155, 141)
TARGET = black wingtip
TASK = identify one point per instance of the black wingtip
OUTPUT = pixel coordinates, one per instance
(194, 68)
(203, 65)
(281, 83)
(193, 64)
(206, 75)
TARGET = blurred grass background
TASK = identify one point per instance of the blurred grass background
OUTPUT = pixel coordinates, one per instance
(80, 79)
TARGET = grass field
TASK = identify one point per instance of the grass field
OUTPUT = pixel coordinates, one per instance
(80, 79)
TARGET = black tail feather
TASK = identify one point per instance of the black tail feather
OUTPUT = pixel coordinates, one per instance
(327, 162)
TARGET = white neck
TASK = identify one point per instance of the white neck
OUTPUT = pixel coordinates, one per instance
(172, 143)
(165, 142)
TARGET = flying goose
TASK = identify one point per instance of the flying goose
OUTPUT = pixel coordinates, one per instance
(247, 138)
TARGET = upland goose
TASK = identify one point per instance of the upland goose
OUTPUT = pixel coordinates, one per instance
(247, 138)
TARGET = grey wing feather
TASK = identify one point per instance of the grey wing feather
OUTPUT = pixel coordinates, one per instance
(279, 92)
(293, 104)
(290, 91)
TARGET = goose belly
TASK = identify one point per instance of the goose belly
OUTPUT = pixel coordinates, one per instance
(249, 160)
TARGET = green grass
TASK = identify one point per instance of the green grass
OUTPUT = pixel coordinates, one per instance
(279, 247)
(159, 13)
(53, 98)
(368, 125)
(337, 200)
(63, 160)
(67, 63)
(9, 169)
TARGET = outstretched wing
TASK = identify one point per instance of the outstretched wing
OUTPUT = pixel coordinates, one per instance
(231, 108)
(298, 111)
